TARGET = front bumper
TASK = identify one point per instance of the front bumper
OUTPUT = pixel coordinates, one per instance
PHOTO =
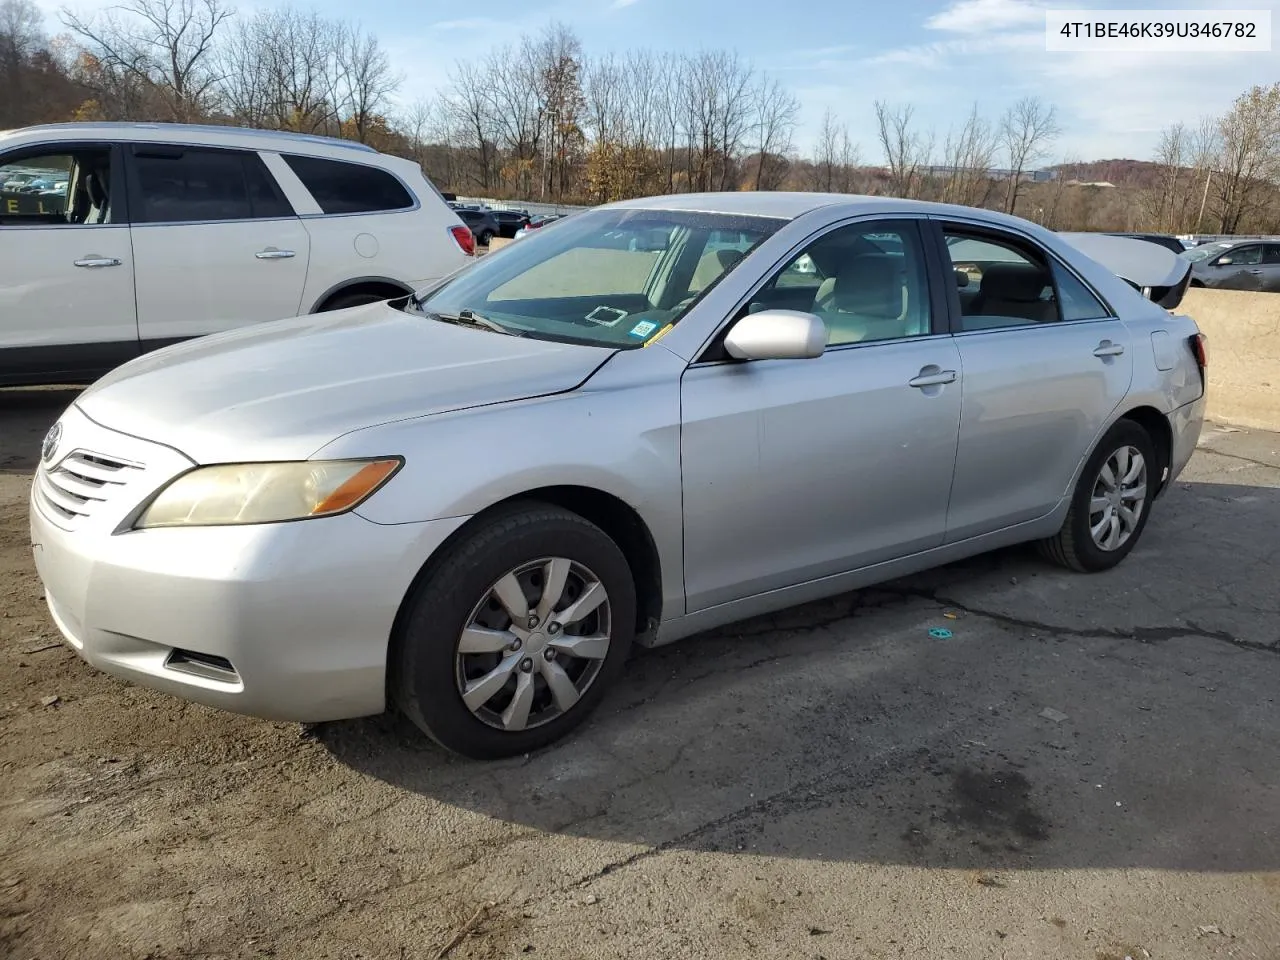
(286, 621)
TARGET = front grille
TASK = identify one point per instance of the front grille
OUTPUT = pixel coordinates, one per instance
(81, 483)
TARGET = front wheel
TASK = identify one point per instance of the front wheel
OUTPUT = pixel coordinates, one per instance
(1111, 503)
(516, 633)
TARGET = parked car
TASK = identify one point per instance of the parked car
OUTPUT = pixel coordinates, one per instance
(1165, 240)
(482, 223)
(1236, 265)
(470, 503)
(509, 222)
(537, 223)
(168, 232)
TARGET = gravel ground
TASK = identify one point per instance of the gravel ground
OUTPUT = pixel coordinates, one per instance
(1086, 768)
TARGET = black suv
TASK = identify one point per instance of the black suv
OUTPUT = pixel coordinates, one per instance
(509, 221)
(483, 224)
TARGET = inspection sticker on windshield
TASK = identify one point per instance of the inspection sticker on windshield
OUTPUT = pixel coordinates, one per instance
(643, 328)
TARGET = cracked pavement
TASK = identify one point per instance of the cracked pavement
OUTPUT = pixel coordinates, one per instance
(1086, 768)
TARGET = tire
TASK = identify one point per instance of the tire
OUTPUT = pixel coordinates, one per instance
(484, 238)
(1074, 546)
(430, 672)
(344, 300)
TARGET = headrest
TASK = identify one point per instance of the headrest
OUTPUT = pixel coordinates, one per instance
(728, 257)
(93, 187)
(1013, 281)
(870, 284)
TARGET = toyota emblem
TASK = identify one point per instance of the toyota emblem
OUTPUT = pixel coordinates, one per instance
(50, 445)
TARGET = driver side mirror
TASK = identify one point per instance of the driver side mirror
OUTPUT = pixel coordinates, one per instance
(1223, 262)
(777, 335)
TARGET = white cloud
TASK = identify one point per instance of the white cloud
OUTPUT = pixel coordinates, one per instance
(986, 16)
(993, 51)
(469, 23)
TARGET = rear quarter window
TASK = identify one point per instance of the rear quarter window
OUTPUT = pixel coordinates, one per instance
(341, 187)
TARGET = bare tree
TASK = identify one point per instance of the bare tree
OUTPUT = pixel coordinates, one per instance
(21, 30)
(470, 109)
(671, 99)
(167, 45)
(558, 61)
(717, 93)
(365, 82)
(516, 109)
(906, 150)
(776, 110)
(1027, 130)
(1203, 149)
(1158, 203)
(281, 69)
(968, 156)
(1249, 161)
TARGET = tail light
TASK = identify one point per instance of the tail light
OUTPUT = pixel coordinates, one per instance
(1200, 347)
(465, 239)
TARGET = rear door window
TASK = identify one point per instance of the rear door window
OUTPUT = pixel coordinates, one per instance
(341, 187)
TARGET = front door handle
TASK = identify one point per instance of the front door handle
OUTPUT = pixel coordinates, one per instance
(935, 379)
(271, 253)
(1108, 349)
(93, 261)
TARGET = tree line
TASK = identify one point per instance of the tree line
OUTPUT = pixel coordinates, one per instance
(541, 119)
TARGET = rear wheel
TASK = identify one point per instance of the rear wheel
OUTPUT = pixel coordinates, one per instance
(516, 633)
(358, 299)
(1111, 502)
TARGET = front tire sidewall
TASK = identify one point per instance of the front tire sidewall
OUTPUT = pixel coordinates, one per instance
(1088, 554)
(426, 688)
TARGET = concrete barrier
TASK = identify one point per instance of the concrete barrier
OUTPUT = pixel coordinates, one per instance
(1244, 354)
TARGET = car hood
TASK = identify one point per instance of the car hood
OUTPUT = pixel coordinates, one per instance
(283, 390)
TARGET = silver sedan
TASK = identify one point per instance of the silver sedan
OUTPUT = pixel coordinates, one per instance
(661, 416)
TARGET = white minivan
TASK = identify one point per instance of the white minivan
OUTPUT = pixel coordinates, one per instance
(165, 232)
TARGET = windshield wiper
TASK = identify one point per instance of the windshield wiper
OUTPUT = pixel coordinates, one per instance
(469, 318)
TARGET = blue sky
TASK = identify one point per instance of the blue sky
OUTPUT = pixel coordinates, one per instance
(940, 55)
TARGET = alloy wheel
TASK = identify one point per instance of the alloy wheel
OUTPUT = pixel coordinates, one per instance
(1119, 497)
(534, 644)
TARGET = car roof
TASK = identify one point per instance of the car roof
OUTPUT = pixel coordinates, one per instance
(197, 135)
(789, 205)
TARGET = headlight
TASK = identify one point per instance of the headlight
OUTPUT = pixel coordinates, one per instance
(235, 493)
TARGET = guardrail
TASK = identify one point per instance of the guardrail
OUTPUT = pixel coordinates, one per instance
(533, 208)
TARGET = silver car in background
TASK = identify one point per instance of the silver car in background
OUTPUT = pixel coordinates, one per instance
(659, 417)
(1236, 265)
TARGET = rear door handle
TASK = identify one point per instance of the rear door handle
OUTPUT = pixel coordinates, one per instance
(271, 253)
(97, 262)
(1108, 349)
(933, 379)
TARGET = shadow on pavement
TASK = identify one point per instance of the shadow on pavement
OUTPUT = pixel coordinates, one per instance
(1121, 720)
(26, 413)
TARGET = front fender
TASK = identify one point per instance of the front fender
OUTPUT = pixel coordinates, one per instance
(618, 434)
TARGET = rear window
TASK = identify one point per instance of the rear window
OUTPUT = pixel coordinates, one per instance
(340, 187)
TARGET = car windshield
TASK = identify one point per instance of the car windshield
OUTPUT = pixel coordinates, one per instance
(610, 277)
(1204, 251)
